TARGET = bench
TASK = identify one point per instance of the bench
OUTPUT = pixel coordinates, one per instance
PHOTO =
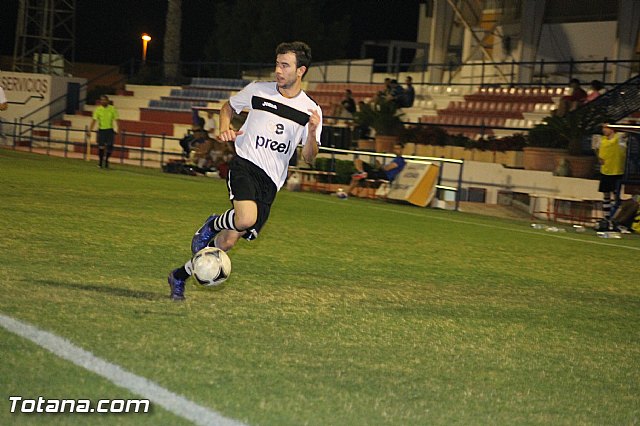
(580, 211)
(371, 188)
(309, 179)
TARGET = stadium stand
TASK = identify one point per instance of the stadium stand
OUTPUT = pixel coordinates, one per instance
(329, 95)
(174, 105)
(189, 94)
(218, 83)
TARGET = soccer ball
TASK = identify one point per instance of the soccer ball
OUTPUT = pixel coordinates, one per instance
(211, 266)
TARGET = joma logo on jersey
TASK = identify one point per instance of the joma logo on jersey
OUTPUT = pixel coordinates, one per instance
(270, 105)
(262, 142)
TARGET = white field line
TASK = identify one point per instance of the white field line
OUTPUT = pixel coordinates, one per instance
(176, 404)
(468, 222)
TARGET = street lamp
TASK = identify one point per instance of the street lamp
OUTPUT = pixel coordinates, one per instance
(146, 38)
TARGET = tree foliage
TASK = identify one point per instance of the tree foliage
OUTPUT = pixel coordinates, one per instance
(250, 31)
(171, 54)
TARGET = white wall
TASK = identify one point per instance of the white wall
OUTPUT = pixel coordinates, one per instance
(578, 40)
(495, 178)
(27, 92)
(357, 71)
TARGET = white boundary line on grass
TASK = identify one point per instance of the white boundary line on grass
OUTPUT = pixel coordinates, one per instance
(176, 404)
(466, 222)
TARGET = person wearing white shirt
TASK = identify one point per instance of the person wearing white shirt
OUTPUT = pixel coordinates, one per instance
(280, 117)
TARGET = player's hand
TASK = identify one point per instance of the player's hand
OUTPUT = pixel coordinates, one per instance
(229, 135)
(314, 120)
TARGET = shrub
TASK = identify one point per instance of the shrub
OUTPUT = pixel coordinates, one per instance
(343, 168)
(425, 135)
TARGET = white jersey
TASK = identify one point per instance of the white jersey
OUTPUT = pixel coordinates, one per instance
(274, 128)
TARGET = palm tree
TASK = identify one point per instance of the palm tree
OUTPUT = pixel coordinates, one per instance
(171, 53)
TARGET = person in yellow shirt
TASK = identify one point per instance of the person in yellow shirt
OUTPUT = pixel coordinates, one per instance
(107, 118)
(612, 153)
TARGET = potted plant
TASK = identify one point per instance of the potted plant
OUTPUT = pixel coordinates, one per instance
(422, 138)
(544, 147)
(381, 115)
(573, 128)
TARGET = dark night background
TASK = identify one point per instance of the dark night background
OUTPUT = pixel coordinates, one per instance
(109, 32)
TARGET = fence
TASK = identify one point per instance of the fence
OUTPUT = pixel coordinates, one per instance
(480, 73)
(36, 138)
(129, 148)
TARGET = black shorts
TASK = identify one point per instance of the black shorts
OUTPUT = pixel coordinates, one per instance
(246, 181)
(610, 183)
(373, 173)
(106, 137)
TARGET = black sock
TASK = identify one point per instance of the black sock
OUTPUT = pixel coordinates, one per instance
(606, 206)
(181, 273)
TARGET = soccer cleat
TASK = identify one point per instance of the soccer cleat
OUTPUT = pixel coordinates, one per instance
(176, 286)
(204, 235)
(603, 225)
(359, 175)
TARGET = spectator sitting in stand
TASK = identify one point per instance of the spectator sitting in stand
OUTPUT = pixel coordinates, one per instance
(573, 100)
(348, 104)
(627, 217)
(210, 125)
(387, 172)
(396, 94)
(409, 93)
(597, 88)
(210, 156)
(386, 92)
(191, 140)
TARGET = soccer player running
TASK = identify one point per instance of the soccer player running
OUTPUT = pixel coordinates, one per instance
(281, 115)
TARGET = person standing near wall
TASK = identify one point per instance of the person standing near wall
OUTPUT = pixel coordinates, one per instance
(4, 105)
(612, 153)
(3, 100)
(106, 116)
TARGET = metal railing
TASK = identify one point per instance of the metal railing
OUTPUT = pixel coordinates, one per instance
(77, 143)
(480, 73)
(333, 152)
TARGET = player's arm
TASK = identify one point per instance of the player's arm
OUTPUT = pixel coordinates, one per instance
(390, 166)
(310, 148)
(227, 134)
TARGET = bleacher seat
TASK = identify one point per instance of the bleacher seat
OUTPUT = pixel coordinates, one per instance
(175, 105)
(218, 83)
(198, 94)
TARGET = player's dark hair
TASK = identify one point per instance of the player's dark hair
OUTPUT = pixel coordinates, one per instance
(298, 48)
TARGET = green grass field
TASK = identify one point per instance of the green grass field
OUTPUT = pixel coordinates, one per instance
(342, 313)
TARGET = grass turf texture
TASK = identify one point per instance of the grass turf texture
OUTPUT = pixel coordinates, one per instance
(342, 312)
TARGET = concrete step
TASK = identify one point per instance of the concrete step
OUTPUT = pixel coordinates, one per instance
(150, 92)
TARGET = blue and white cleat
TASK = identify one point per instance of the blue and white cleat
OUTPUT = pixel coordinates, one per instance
(204, 235)
(176, 286)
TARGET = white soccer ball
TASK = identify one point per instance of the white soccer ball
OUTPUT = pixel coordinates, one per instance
(211, 266)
